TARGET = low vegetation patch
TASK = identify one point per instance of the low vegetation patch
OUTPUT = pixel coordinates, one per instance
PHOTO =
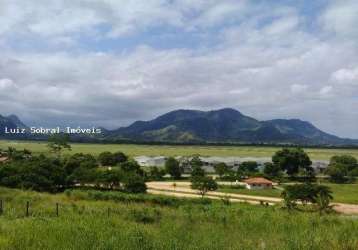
(133, 198)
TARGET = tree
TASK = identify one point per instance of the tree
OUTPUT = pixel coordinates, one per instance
(347, 160)
(134, 183)
(76, 161)
(173, 168)
(337, 172)
(110, 178)
(350, 163)
(156, 174)
(112, 159)
(58, 142)
(17, 155)
(38, 173)
(131, 166)
(291, 160)
(196, 162)
(197, 171)
(221, 169)
(106, 159)
(119, 157)
(249, 167)
(323, 198)
(271, 170)
(307, 193)
(204, 184)
(86, 173)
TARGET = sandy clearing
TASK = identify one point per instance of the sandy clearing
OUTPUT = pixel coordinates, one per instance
(185, 188)
(193, 195)
(182, 189)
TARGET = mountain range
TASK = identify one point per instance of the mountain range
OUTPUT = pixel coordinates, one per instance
(217, 126)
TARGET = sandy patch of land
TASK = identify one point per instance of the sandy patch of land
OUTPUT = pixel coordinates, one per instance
(182, 189)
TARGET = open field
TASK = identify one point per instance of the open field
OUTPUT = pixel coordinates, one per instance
(344, 193)
(263, 192)
(84, 223)
(155, 150)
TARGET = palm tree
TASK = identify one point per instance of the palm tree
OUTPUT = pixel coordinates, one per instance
(323, 198)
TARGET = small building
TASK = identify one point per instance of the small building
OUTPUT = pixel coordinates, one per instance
(148, 161)
(258, 183)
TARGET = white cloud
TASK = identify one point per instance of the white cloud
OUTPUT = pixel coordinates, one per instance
(282, 25)
(298, 88)
(6, 84)
(341, 18)
(346, 76)
(326, 91)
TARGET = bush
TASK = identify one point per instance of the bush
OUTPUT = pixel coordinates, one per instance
(137, 198)
(134, 184)
(307, 193)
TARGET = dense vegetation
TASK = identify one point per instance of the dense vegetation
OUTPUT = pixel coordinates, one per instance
(54, 173)
(342, 168)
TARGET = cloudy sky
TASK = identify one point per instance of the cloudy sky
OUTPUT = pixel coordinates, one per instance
(110, 62)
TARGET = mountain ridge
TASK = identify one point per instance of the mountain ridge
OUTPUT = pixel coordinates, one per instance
(225, 125)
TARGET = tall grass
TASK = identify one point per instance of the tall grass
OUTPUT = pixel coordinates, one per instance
(88, 222)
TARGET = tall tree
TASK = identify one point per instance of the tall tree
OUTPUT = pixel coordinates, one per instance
(249, 167)
(221, 169)
(173, 168)
(272, 170)
(291, 160)
(203, 184)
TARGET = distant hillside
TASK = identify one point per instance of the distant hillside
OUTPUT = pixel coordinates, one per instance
(11, 122)
(224, 126)
(218, 126)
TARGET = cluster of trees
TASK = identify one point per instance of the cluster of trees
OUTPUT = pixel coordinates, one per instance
(318, 195)
(53, 174)
(342, 168)
(292, 161)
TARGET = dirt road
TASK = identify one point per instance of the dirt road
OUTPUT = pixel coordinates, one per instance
(182, 189)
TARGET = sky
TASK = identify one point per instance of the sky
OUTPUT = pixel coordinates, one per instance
(111, 62)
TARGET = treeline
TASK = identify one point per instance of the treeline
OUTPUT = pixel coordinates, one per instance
(54, 174)
(291, 162)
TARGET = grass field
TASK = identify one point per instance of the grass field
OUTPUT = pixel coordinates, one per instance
(155, 150)
(262, 192)
(86, 224)
(344, 193)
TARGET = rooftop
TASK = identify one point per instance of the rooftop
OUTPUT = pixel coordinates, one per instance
(258, 180)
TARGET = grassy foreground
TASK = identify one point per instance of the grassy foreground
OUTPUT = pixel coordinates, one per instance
(84, 223)
(155, 150)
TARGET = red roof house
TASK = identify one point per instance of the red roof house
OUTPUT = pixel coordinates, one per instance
(258, 183)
